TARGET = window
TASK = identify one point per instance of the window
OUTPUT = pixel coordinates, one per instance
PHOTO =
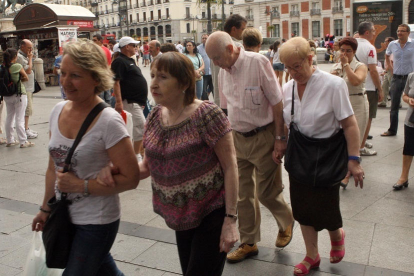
(203, 14)
(316, 28)
(137, 17)
(144, 16)
(338, 4)
(145, 31)
(294, 7)
(275, 9)
(159, 14)
(276, 30)
(295, 29)
(338, 27)
(167, 12)
(315, 5)
(139, 32)
(188, 28)
(152, 15)
(187, 12)
(130, 18)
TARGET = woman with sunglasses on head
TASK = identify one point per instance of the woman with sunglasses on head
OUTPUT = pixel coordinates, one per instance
(317, 109)
(354, 73)
(191, 52)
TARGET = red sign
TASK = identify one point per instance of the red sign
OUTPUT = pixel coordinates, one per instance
(81, 24)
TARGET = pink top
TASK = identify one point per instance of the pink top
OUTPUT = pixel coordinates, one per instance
(249, 90)
(186, 175)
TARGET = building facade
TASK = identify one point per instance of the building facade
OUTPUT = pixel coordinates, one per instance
(164, 20)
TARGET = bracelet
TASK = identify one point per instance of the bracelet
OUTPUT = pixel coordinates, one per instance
(231, 216)
(44, 211)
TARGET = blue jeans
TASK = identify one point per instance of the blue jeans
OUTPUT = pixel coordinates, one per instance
(397, 87)
(90, 251)
(199, 89)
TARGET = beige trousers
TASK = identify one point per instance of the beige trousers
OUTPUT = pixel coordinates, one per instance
(260, 179)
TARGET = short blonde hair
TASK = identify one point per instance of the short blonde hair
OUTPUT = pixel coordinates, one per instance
(294, 47)
(90, 57)
(251, 37)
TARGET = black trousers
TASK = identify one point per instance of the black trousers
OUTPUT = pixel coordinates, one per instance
(207, 86)
(199, 248)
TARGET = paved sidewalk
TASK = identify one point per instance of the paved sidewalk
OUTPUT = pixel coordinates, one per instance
(378, 221)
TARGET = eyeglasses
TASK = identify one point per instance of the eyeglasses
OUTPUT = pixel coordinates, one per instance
(295, 68)
(347, 50)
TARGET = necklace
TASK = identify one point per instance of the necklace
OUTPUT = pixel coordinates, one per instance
(168, 126)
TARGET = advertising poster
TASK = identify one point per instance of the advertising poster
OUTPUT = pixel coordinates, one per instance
(386, 16)
(66, 35)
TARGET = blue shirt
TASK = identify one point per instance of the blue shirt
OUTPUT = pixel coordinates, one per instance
(202, 50)
(403, 58)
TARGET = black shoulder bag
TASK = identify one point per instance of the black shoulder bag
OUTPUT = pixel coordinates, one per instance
(315, 162)
(58, 231)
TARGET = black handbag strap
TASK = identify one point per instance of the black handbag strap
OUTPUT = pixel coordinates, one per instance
(88, 121)
(292, 110)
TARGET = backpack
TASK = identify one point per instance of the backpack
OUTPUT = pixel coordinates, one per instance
(7, 86)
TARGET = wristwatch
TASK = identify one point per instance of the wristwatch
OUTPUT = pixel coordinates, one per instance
(355, 158)
(281, 138)
(231, 216)
(85, 188)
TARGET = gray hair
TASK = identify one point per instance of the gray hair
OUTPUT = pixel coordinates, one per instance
(294, 47)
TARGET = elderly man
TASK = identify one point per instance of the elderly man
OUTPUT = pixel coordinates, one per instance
(25, 58)
(249, 90)
(154, 48)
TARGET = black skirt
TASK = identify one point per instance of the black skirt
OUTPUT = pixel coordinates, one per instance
(316, 206)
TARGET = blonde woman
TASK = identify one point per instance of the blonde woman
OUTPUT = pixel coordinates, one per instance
(95, 208)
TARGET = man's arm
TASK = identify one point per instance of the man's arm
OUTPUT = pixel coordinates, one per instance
(280, 145)
(376, 79)
(117, 93)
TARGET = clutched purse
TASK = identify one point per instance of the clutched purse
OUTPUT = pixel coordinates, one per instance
(58, 231)
(37, 87)
(317, 162)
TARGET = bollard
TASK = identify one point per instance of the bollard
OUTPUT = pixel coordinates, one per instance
(39, 72)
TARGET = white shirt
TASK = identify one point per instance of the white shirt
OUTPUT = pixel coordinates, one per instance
(88, 159)
(275, 56)
(367, 54)
(324, 104)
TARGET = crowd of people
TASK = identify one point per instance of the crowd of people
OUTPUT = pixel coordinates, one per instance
(212, 163)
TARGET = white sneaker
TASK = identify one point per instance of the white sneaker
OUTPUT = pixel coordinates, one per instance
(369, 145)
(367, 152)
(30, 134)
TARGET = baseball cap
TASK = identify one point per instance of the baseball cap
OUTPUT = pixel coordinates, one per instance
(127, 40)
(116, 48)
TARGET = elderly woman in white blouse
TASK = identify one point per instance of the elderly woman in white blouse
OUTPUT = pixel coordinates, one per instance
(321, 108)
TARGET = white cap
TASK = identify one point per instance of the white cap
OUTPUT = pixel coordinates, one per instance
(116, 48)
(127, 40)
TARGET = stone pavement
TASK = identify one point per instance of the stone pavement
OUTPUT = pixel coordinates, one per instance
(378, 221)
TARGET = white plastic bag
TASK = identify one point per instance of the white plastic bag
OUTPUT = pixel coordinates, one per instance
(128, 122)
(36, 260)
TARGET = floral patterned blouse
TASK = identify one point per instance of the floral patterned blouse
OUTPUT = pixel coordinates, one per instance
(186, 176)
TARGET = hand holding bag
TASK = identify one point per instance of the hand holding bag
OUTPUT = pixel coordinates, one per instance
(315, 162)
(58, 231)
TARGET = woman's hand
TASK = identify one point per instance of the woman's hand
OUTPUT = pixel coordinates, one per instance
(105, 176)
(229, 235)
(344, 59)
(279, 151)
(39, 221)
(197, 73)
(357, 172)
(69, 183)
(411, 102)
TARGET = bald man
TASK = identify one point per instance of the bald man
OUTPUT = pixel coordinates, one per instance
(154, 48)
(250, 91)
(25, 58)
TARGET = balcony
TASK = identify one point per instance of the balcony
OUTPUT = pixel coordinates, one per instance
(249, 0)
(294, 13)
(123, 8)
(158, 2)
(101, 13)
(339, 9)
(94, 4)
(274, 15)
(166, 1)
(187, 16)
(114, 25)
(165, 17)
(143, 4)
(96, 14)
(149, 3)
(249, 17)
(315, 11)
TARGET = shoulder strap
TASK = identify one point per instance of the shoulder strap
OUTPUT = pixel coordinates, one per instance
(199, 63)
(89, 119)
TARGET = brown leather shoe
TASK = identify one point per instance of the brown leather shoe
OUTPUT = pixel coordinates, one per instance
(244, 251)
(284, 238)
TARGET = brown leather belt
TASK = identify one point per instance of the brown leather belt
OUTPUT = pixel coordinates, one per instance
(254, 131)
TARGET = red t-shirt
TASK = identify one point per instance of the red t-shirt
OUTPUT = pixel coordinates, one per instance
(107, 54)
(146, 49)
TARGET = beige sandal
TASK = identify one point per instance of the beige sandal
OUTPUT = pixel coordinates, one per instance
(27, 145)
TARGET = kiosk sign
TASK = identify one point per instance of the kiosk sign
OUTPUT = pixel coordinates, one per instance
(67, 35)
(386, 16)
